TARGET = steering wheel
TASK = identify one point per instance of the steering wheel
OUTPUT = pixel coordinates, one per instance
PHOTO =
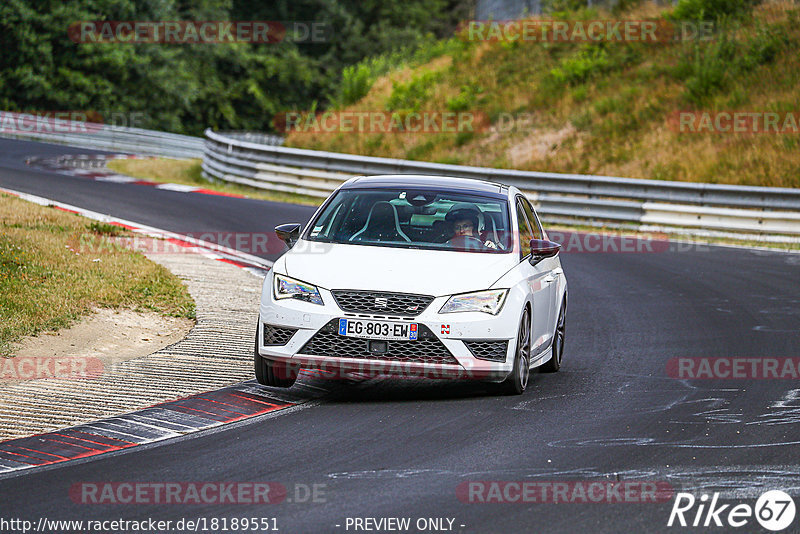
(466, 241)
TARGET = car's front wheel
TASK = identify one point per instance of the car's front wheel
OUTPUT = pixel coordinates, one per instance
(269, 373)
(517, 381)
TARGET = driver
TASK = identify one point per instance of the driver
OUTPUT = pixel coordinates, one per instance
(464, 221)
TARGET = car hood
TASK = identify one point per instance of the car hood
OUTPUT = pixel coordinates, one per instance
(429, 272)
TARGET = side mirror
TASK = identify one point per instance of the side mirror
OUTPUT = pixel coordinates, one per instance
(541, 249)
(289, 233)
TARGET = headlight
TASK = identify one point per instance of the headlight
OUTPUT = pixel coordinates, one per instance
(483, 301)
(289, 288)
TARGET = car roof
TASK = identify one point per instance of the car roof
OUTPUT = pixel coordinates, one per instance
(446, 183)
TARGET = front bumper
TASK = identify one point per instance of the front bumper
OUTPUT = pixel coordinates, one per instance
(447, 332)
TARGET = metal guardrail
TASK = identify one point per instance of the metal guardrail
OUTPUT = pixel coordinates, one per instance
(255, 137)
(559, 197)
(99, 136)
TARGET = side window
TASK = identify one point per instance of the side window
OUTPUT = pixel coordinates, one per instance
(525, 234)
(536, 227)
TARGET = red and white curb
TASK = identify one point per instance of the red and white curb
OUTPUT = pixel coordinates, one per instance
(163, 421)
(253, 264)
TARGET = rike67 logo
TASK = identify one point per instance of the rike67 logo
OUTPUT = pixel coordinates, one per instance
(774, 510)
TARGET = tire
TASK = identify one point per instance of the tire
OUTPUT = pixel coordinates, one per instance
(554, 363)
(274, 374)
(517, 381)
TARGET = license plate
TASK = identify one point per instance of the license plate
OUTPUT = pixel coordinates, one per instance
(386, 330)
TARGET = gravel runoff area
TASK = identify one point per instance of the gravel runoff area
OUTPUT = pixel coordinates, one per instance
(217, 352)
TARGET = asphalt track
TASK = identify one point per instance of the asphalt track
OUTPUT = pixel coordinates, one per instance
(401, 448)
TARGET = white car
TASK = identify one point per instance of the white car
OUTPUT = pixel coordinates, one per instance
(417, 276)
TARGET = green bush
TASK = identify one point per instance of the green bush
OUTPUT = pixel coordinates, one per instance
(357, 80)
(712, 9)
(106, 229)
(580, 67)
(465, 99)
(764, 45)
(412, 95)
(623, 6)
(582, 120)
(708, 68)
(419, 152)
(606, 105)
(462, 138)
(580, 93)
(564, 8)
(432, 48)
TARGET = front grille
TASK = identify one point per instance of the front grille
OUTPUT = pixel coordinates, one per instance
(277, 335)
(488, 350)
(426, 349)
(378, 303)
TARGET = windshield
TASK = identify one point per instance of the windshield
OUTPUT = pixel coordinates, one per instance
(418, 218)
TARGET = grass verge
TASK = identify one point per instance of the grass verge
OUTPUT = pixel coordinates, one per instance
(188, 172)
(50, 277)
